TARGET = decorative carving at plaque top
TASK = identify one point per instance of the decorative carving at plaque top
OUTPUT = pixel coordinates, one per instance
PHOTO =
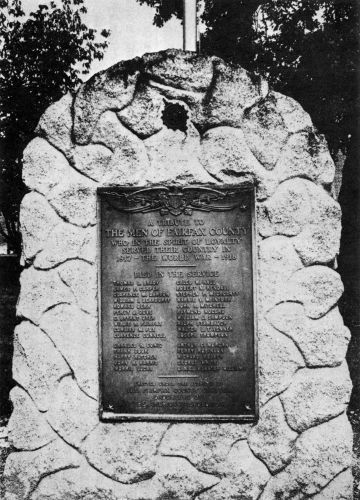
(176, 200)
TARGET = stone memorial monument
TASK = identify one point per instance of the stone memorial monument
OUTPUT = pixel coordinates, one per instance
(178, 335)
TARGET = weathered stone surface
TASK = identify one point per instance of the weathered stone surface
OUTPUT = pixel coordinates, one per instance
(306, 154)
(226, 156)
(323, 342)
(316, 395)
(125, 452)
(81, 278)
(75, 335)
(130, 162)
(144, 115)
(44, 167)
(279, 359)
(175, 478)
(340, 488)
(67, 242)
(74, 199)
(271, 439)
(40, 290)
(277, 262)
(24, 469)
(37, 220)
(92, 161)
(71, 194)
(72, 414)
(294, 117)
(226, 104)
(80, 483)
(320, 240)
(27, 427)
(281, 487)
(318, 288)
(320, 454)
(55, 124)
(205, 446)
(288, 210)
(245, 476)
(179, 69)
(110, 132)
(37, 365)
(175, 155)
(265, 130)
(110, 89)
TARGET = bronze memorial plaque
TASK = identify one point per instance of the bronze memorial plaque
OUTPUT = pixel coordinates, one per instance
(177, 327)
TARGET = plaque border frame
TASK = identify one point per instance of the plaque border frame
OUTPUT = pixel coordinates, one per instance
(107, 416)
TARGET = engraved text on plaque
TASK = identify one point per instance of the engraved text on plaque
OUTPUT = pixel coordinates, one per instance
(177, 303)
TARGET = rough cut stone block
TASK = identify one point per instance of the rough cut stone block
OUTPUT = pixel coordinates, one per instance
(183, 70)
(265, 130)
(44, 167)
(39, 291)
(205, 446)
(110, 89)
(271, 439)
(110, 132)
(318, 288)
(37, 364)
(74, 199)
(289, 208)
(37, 220)
(306, 154)
(81, 278)
(340, 488)
(321, 453)
(130, 160)
(92, 161)
(67, 242)
(126, 451)
(75, 335)
(277, 261)
(319, 242)
(316, 395)
(25, 469)
(226, 103)
(55, 124)
(323, 342)
(27, 427)
(245, 476)
(279, 359)
(175, 155)
(294, 117)
(72, 414)
(226, 156)
(144, 115)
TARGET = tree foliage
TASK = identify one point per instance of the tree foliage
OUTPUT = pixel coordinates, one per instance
(42, 56)
(308, 49)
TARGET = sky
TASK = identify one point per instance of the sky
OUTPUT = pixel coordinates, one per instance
(132, 31)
